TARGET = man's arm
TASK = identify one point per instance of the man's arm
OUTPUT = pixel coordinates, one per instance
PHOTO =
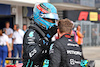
(55, 56)
(11, 33)
(12, 43)
(31, 45)
(9, 49)
(80, 35)
(13, 38)
(10, 36)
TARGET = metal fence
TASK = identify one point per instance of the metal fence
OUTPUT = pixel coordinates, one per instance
(92, 32)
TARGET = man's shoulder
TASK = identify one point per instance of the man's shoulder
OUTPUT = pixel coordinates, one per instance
(78, 32)
(31, 32)
(5, 35)
(62, 41)
(59, 44)
(10, 28)
(21, 31)
(14, 32)
(58, 41)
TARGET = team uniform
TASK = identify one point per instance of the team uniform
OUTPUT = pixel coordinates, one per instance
(34, 54)
(65, 52)
(37, 38)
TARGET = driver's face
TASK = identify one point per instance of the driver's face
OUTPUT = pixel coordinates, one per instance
(49, 20)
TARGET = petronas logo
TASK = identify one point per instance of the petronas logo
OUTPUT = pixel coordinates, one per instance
(44, 7)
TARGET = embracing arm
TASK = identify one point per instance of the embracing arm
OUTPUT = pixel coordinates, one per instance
(55, 56)
(10, 36)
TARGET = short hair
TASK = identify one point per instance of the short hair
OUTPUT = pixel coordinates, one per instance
(17, 26)
(24, 24)
(78, 26)
(65, 26)
(7, 22)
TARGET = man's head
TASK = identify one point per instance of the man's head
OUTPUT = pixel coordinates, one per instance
(24, 27)
(45, 14)
(7, 24)
(64, 26)
(1, 32)
(16, 27)
(79, 28)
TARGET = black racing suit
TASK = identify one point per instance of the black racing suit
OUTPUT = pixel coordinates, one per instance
(35, 51)
(65, 53)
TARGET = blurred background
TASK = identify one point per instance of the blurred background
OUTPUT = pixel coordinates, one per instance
(82, 12)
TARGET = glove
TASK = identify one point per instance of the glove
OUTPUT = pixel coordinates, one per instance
(51, 32)
(84, 63)
(44, 44)
(46, 63)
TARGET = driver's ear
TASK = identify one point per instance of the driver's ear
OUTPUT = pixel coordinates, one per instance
(58, 31)
(59, 34)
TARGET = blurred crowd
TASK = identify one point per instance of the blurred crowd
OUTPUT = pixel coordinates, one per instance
(11, 41)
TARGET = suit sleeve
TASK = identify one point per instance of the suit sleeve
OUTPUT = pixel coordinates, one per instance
(55, 56)
(30, 45)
